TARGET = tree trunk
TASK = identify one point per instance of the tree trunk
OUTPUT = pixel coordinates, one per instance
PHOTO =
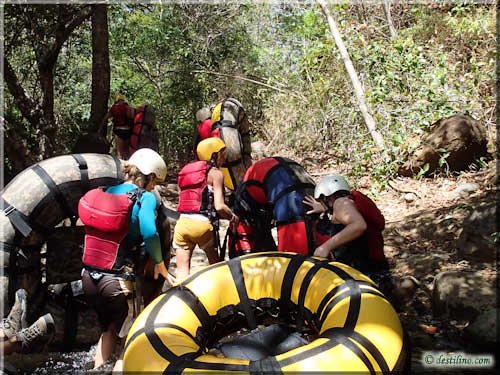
(387, 11)
(20, 156)
(357, 86)
(48, 39)
(48, 134)
(100, 66)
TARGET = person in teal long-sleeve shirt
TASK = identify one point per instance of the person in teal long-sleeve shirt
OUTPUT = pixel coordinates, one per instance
(108, 286)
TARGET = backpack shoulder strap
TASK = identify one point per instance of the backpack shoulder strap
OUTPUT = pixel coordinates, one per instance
(135, 195)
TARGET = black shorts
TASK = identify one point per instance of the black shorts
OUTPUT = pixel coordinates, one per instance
(122, 133)
(109, 297)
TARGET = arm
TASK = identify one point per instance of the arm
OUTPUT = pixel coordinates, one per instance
(217, 180)
(344, 212)
(147, 225)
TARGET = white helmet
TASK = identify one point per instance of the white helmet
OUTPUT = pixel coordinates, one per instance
(149, 161)
(203, 114)
(330, 185)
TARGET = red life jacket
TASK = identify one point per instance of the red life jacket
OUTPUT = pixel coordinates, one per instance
(123, 115)
(375, 224)
(135, 137)
(192, 181)
(106, 217)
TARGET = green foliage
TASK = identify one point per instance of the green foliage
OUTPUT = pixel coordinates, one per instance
(440, 63)
(179, 57)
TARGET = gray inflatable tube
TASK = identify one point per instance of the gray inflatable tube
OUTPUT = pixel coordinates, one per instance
(42, 196)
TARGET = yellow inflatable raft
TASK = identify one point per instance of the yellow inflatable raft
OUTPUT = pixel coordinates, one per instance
(358, 330)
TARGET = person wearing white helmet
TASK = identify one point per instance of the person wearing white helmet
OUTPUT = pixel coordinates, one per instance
(330, 195)
(106, 285)
(353, 230)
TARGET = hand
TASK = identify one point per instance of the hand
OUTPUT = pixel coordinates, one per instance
(321, 252)
(170, 280)
(160, 269)
(235, 220)
(317, 207)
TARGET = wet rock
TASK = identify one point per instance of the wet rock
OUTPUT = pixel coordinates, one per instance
(461, 295)
(409, 197)
(475, 241)
(460, 136)
(405, 289)
(483, 330)
(464, 190)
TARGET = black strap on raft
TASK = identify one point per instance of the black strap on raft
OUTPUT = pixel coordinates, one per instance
(155, 340)
(302, 294)
(237, 274)
(341, 336)
(268, 365)
(354, 294)
(372, 349)
(55, 191)
(118, 164)
(84, 172)
(286, 289)
(16, 218)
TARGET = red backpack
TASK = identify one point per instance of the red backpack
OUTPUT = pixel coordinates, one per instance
(106, 218)
(192, 181)
(375, 222)
(135, 137)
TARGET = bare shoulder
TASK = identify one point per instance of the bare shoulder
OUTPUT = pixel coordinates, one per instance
(215, 174)
(344, 203)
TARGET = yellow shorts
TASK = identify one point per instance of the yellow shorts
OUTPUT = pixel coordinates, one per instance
(191, 232)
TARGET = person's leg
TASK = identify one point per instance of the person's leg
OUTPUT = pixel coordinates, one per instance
(206, 241)
(183, 244)
(105, 347)
(210, 251)
(122, 146)
(112, 309)
(183, 261)
(118, 367)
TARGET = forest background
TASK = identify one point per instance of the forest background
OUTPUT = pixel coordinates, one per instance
(418, 63)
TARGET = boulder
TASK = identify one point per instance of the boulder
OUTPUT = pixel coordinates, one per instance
(461, 295)
(483, 330)
(461, 136)
(475, 241)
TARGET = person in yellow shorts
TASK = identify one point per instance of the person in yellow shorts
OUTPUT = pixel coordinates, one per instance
(201, 200)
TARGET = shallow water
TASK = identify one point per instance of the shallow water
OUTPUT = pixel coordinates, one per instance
(75, 362)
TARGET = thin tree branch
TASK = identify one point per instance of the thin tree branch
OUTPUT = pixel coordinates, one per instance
(249, 80)
(356, 83)
(63, 34)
